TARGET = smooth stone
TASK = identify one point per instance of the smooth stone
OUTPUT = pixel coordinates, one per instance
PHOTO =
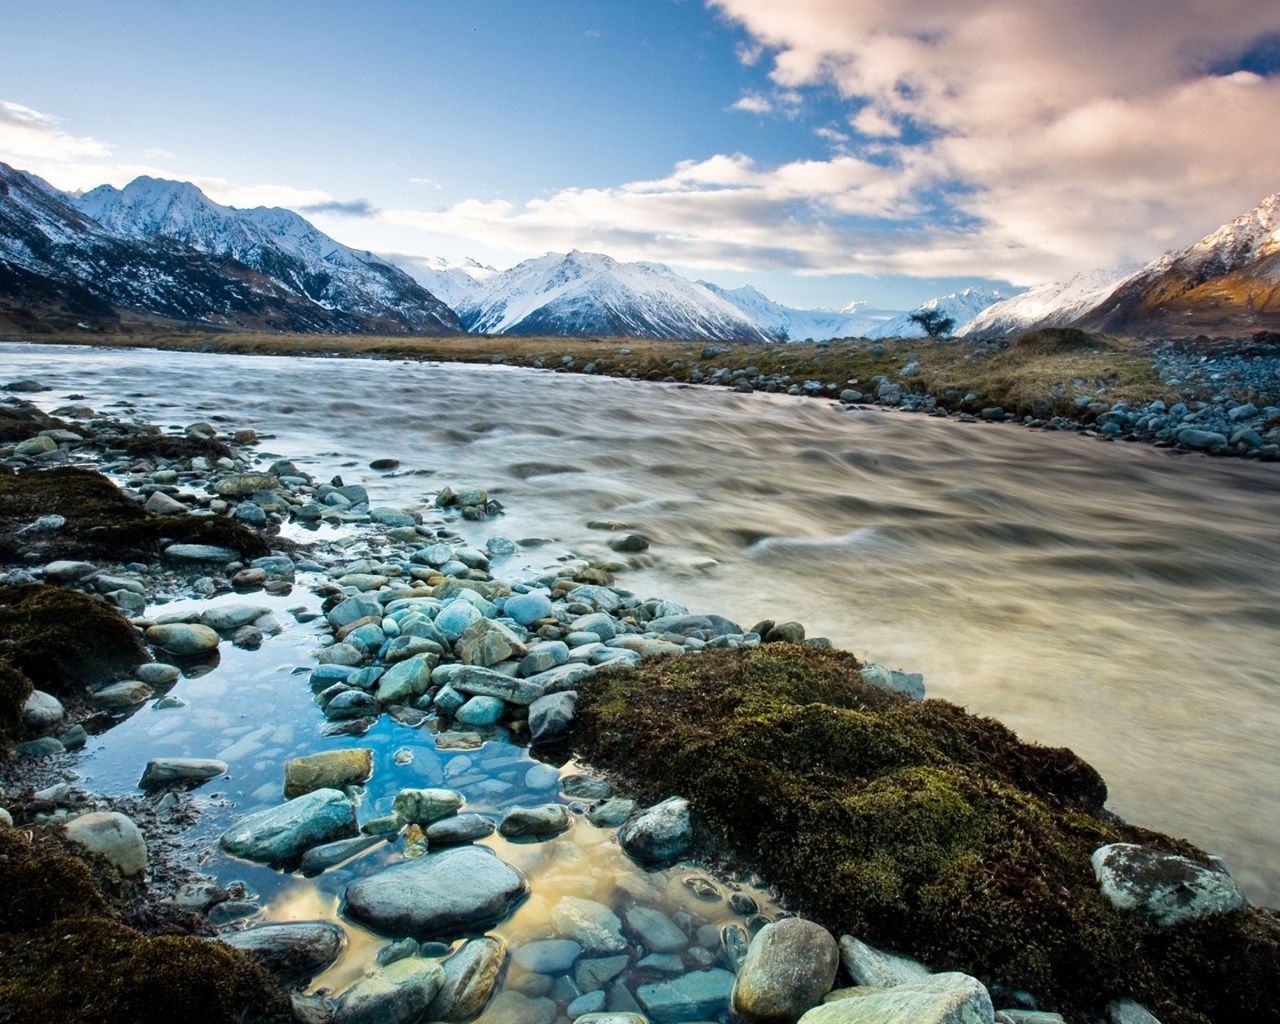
(229, 618)
(407, 679)
(404, 647)
(708, 625)
(592, 974)
(511, 1007)
(602, 625)
(659, 835)
(1036, 1017)
(438, 895)
(551, 717)
(1162, 887)
(867, 965)
(350, 705)
(67, 571)
(199, 553)
(42, 711)
(45, 746)
(544, 656)
(424, 806)
(346, 655)
(461, 828)
(546, 821)
(612, 812)
(293, 952)
(469, 979)
(612, 1017)
(487, 643)
(541, 776)
(163, 505)
(910, 683)
(547, 956)
(391, 517)
(283, 833)
(588, 1002)
(664, 963)
(790, 965)
(485, 682)
(353, 609)
(1126, 1011)
(158, 674)
(242, 485)
(949, 998)
(1201, 440)
(456, 617)
(330, 769)
(322, 858)
(396, 994)
(248, 638)
(591, 924)
(657, 931)
(122, 695)
(482, 711)
(699, 995)
(113, 835)
(183, 638)
(180, 771)
(586, 787)
(398, 950)
(526, 609)
(39, 445)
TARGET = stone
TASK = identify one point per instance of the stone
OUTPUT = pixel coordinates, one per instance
(543, 821)
(242, 485)
(949, 998)
(35, 446)
(114, 836)
(511, 1007)
(630, 544)
(68, 572)
(586, 787)
(456, 617)
(42, 711)
(162, 772)
(708, 625)
(353, 609)
(542, 657)
(1163, 888)
(1201, 440)
(551, 717)
(469, 979)
(612, 1017)
(460, 828)
(659, 835)
(396, 994)
(867, 965)
(910, 683)
(439, 895)
(1126, 1011)
(230, 617)
(602, 625)
(293, 952)
(593, 925)
(657, 931)
(487, 642)
(407, 679)
(122, 695)
(350, 705)
(612, 812)
(485, 682)
(330, 769)
(699, 995)
(281, 834)
(482, 711)
(588, 1002)
(547, 956)
(322, 858)
(790, 965)
(391, 517)
(163, 505)
(45, 746)
(594, 973)
(785, 633)
(424, 806)
(183, 638)
(248, 638)
(199, 553)
(526, 609)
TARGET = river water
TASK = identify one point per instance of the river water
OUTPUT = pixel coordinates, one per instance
(1117, 599)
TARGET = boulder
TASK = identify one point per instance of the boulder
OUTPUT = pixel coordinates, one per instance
(183, 638)
(699, 995)
(423, 806)
(396, 994)
(543, 821)
(867, 965)
(659, 835)
(293, 952)
(283, 833)
(790, 965)
(330, 769)
(1163, 888)
(469, 979)
(949, 998)
(551, 717)
(114, 836)
(162, 772)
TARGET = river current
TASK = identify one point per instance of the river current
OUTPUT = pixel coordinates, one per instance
(1117, 599)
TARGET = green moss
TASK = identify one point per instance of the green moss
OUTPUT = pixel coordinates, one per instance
(914, 824)
(20, 420)
(168, 446)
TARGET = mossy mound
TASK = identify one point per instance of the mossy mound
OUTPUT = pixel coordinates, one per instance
(65, 956)
(63, 641)
(169, 446)
(102, 523)
(919, 827)
(1054, 340)
(14, 690)
(20, 420)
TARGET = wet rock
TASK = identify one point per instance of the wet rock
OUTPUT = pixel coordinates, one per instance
(547, 956)
(867, 965)
(596, 972)
(790, 965)
(353, 609)
(424, 806)
(699, 995)
(183, 638)
(438, 895)
(38, 445)
(551, 717)
(612, 812)
(660, 835)
(114, 836)
(228, 618)
(322, 858)
(949, 998)
(469, 979)
(243, 485)
(512, 1007)
(68, 572)
(122, 695)
(632, 543)
(351, 705)
(163, 505)
(593, 925)
(1201, 440)
(293, 952)
(484, 682)
(162, 772)
(1162, 887)
(199, 553)
(283, 833)
(657, 931)
(487, 642)
(545, 821)
(482, 711)
(586, 787)
(407, 679)
(1126, 1011)
(544, 656)
(785, 633)
(612, 1017)
(735, 942)
(247, 638)
(42, 711)
(526, 609)
(910, 683)
(396, 994)
(461, 828)
(330, 769)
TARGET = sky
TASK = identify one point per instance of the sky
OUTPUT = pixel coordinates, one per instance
(825, 151)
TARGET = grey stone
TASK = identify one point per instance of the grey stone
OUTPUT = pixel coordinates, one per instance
(588, 1002)
(396, 994)
(1201, 440)
(708, 625)
(45, 746)
(586, 787)
(612, 1017)
(544, 656)
(547, 956)
(199, 553)
(163, 505)
(353, 609)
(910, 683)
(657, 931)
(602, 625)
(511, 1007)
(545, 821)
(114, 836)
(612, 812)
(424, 806)
(596, 972)
(230, 617)
(485, 682)
(282, 833)
(456, 617)
(1126, 1011)
(183, 638)
(121, 695)
(179, 771)
(461, 828)
(699, 995)
(242, 485)
(526, 609)
(350, 705)
(487, 642)
(68, 572)
(659, 835)
(438, 895)
(551, 717)
(948, 998)
(790, 965)
(39, 445)
(867, 965)
(293, 952)
(42, 711)
(589, 923)
(322, 858)
(1162, 887)
(469, 979)
(407, 679)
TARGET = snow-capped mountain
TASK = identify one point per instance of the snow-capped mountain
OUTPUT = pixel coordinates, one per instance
(857, 320)
(1048, 305)
(277, 243)
(585, 294)
(457, 283)
(960, 306)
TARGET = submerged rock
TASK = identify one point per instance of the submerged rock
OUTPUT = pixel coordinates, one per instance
(293, 952)
(699, 995)
(330, 769)
(469, 979)
(179, 771)
(396, 994)
(280, 834)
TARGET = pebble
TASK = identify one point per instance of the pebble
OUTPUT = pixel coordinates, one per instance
(163, 772)
(114, 836)
(183, 638)
(282, 833)
(540, 822)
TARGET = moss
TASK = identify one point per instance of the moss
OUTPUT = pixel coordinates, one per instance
(102, 522)
(14, 690)
(20, 420)
(167, 446)
(64, 641)
(916, 825)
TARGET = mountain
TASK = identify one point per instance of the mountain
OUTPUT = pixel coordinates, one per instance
(960, 306)
(1047, 305)
(457, 283)
(278, 244)
(854, 321)
(586, 294)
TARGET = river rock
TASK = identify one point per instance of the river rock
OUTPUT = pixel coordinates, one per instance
(330, 769)
(1126, 1011)
(352, 704)
(228, 618)
(544, 656)
(547, 956)
(867, 965)
(545, 821)
(455, 618)
(396, 994)
(180, 771)
(158, 674)
(487, 642)
(424, 806)
(183, 638)
(790, 965)
(68, 572)
(114, 836)
(511, 1007)
(461, 828)
(611, 1017)
(122, 695)
(482, 711)
(440, 895)
(39, 445)
(469, 978)
(657, 931)
(353, 609)
(593, 925)
(699, 995)
(163, 505)
(660, 835)
(1162, 887)
(407, 679)
(485, 682)
(1201, 440)
(322, 858)
(949, 998)
(41, 711)
(526, 609)
(708, 625)
(595, 973)
(293, 952)
(282, 833)
(199, 553)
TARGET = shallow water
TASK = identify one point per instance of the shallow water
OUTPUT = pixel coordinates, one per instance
(1117, 599)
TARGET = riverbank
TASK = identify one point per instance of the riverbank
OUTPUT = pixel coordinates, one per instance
(418, 591)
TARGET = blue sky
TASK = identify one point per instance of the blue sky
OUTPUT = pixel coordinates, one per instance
(823, 150)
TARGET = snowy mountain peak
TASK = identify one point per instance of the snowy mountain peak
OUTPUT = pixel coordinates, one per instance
(1237, 242)
(961, 306)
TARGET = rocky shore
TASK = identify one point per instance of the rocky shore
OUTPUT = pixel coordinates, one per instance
(931, 867)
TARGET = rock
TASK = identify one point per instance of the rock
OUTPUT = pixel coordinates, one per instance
(396, 994)
(544, 656)
(162, 772)
(280, 834)
(1126, 1011)
(602, 625)
(45, 524)
(526, 609)
(910, 683)
(293, 952)
(551, 717)
(461, 828)
(867, 965)
(353, 609)
(68, 572)
(122, 695)
(242, 485)
(42, 711)
(247, 638)
(541, 776)
(657, 931)
(183, 638)
(391, 517)
(699, 995)
(469, 979)
(114, 836)
(1201, 440)
(331, 769)
(40, 445)
(660, 835)
(785, 633)
(322, 858)
(593, 974)
(612, 1017)
(593, 925)
(407, 679)
(545, 821)
(586, 787)
(1162, 887)
(632, 543)
(350, 705)
(424, 806)
(45, 746)
(199, 553)
(547, 956)
(485, 682)
(163, 505)
(511, 1007)
(612, 812)
(456, 618)
(230, 617)
(588, 1002)
(487, 642)
(482, 711)
(708, 625)
(949, 998)
(439, 895)
(790, 965)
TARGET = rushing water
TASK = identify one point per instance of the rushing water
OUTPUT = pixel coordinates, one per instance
(1117, 599)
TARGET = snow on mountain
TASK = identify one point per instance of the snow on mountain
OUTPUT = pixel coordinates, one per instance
(1048, 305)
(854, 321)
(277, 243)
(583, 294)
(457, 283)
(960, 306)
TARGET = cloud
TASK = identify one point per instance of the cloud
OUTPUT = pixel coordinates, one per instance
(753, 103)
(27, 135)
(427, 182)
(349, 208)
(156, 153)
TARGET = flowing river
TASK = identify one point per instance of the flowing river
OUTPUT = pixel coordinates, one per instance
(1117, 599)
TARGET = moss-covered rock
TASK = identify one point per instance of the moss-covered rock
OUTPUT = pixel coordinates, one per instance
(173, 447)
(20, 420)
(918, 826)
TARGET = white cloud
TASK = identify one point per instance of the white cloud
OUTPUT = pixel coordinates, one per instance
(753, 103)
(156, 153)
(27, 135)
(427, 182)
